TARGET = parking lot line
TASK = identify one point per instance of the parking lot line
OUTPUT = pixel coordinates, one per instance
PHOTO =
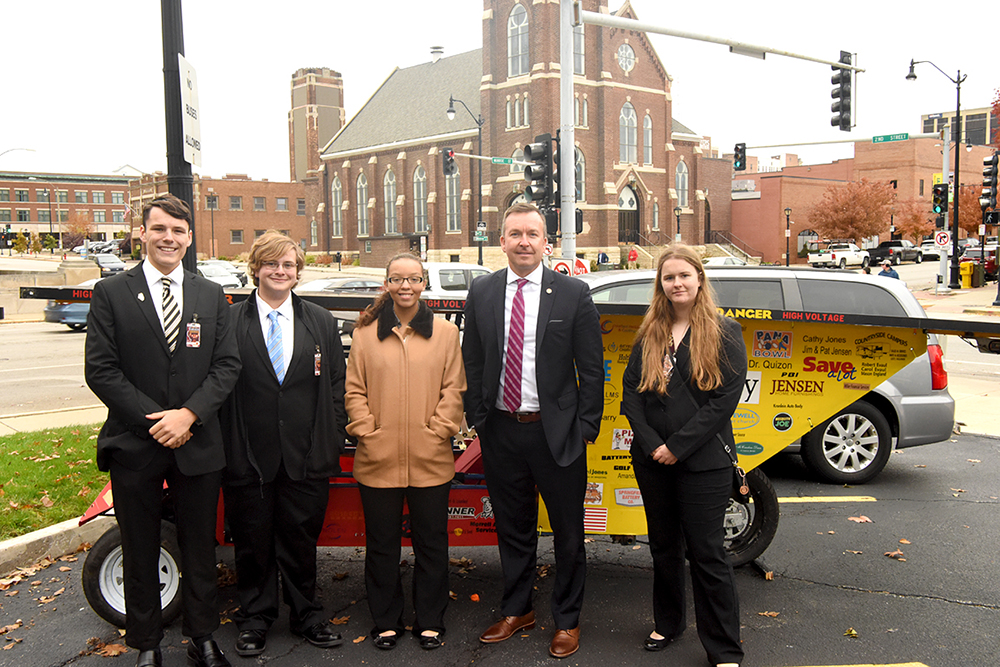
(831, 499)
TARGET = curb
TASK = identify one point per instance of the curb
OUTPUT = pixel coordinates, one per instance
(54, 541)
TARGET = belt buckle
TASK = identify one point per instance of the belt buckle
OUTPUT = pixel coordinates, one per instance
(517, 416)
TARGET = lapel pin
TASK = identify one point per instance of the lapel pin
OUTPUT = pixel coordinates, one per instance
(142, 296)
(548, 291)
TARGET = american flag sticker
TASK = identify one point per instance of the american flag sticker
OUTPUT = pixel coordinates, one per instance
(595, 519)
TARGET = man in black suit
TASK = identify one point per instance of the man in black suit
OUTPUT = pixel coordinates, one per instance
(535, 367)
(162, 357)
(284, 428)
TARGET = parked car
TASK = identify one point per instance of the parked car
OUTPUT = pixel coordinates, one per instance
(977, 255)
(967, 242)
(110, 264)
(450, 280)
(840, 256)
(723, 261)
(219, 275)
(228, 266)
(896, 251)
(343, 285)
(931, 249)
(71, 313)
(912, 407)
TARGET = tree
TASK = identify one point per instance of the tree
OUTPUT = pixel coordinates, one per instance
(77, 229)
(36, 243)
(20, 243)
(995, 139)
(970, 215)
(913, 219)
(856, 210)
(49, 242)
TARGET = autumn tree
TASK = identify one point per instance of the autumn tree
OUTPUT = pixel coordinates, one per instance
(995, 139)
(855, 210)
(970, 215)
(76, 230)
(912, 219)
(20, 243)
(36, 243)
(49, 242)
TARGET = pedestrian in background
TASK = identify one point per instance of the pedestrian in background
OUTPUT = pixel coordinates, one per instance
(405, 381)
(684, 379)
(285, 431)
(888, 271)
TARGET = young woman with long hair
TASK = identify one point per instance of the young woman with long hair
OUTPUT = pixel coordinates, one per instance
(684, 379)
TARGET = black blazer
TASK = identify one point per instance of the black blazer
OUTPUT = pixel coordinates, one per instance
(300, 422)
(687, 427)
(130, 368)
(569, 358)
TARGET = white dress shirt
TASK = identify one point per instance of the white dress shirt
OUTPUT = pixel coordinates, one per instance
(532, 293)
(153, 282)
(286, 320)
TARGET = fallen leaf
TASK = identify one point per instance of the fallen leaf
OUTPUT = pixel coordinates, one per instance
(13, 626)
(973, 460)
(112, 650)
(65, 568)
(75, 432)
(920, 466)
(860, 519)
(474, 597)
(831, 532)
(543, 571)
(959, 490)
(905, 541)
(769, 575)
(851, 551)
(339, 576)
(772, 614)
(636, 547)
(340, 620)
(11, 594)
(453, 595)
(359, 639)
(897, 554)
(36, 583)
(588, 540)
(84, 492)
(851, 632)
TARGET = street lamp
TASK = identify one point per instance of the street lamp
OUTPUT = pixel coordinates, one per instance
(957, 133)
(479, 195)
(677, 214)
(30, 150)
(788, 232)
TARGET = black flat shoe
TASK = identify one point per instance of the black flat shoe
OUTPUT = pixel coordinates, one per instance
(656, 644)
(432, 642)
(386, 643)
(150, 658)
(251, 643)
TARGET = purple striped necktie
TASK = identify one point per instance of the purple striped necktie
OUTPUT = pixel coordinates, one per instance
(515, 348)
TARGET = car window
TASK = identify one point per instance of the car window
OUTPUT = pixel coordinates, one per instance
(475, 273)
(846, 298)
(748, 293)
(453, 279)
(630, 293)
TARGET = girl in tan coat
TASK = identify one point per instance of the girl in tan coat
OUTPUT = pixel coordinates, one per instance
(405, 381)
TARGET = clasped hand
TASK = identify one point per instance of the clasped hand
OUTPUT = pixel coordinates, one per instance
(173, 427)
(663, 455)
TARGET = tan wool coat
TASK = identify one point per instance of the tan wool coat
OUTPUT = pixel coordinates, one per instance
(404, 400)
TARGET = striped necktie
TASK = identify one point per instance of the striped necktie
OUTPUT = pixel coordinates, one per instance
(275, 350)
(171, 316)
(515, 348)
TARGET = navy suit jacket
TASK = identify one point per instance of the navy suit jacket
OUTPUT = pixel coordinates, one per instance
(130, 368)
(569, 359)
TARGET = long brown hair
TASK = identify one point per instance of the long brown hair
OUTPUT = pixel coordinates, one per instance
(706, 332)
(371, 313)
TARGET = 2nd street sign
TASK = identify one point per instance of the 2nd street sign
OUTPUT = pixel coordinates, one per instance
(883, 138)
(502, 160)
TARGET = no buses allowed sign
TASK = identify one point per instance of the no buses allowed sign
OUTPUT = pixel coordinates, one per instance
(568, 268)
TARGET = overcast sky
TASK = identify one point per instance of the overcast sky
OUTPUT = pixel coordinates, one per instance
(83, 83)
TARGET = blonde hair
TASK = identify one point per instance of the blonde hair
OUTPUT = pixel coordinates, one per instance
(706, 331)
(271, 246)
(371, 313)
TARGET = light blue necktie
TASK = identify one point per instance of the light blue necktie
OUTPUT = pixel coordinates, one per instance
(275, 350)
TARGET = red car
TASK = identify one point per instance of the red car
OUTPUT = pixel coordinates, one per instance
(977, 255)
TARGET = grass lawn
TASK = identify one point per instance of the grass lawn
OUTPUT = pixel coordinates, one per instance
(47, 477)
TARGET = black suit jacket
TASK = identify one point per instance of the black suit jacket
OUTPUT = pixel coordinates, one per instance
(569, 358)
(300, 422)
(130, 368)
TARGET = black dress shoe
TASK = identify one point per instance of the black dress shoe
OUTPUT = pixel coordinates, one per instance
(150, 658)
(251, 642)
(321, 635)
(206, 654)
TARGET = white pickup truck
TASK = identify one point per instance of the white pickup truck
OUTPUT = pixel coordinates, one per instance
(840, 256)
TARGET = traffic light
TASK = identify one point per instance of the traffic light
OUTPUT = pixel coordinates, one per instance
(939, 198)
(842, 94)
(539, 173)
(740, 157)
(939, 222)
(554, 199)
(450, 168)
(989, 198)
(551, 216)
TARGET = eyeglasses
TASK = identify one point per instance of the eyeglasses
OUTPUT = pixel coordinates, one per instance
(413, 280)
(273, 266)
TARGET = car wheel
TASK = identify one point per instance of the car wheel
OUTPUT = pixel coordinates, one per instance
(843, 262)
(851, 447)
(920, 257)
(895, 259)
(865, 262)
(77, 326)
(104, 578)
(751, 526)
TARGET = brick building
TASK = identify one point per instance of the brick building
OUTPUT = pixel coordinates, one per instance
(317, 114)
(383, 187)
(47, 204)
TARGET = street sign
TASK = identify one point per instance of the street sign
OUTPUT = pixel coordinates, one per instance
(479, 236)
(942, 239)
(481, 226)
(502, 160)
(881, 139)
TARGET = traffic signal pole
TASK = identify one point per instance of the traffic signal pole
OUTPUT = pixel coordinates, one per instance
(567, 152)
(943, 267)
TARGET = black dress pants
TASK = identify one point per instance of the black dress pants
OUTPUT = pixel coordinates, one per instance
(688, 508)
(275, 527)
(138, 508)
(517, 461)
(428, 507)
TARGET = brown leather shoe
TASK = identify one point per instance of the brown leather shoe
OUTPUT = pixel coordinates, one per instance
(565, 643)
(507, 626)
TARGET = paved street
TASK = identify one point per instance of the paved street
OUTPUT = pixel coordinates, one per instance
(939, 607)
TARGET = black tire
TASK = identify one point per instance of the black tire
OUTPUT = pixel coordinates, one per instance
(843, 262)
(895, 259)
(103, 577)
(77, 326)
(920, 258)
(851, 447)
(750, 527)
(865, 262)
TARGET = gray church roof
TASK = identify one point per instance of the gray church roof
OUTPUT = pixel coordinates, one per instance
(411, 103)
(681, 128)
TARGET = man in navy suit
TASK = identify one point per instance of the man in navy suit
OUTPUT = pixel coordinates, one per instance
(161, 355)
(535, 367)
